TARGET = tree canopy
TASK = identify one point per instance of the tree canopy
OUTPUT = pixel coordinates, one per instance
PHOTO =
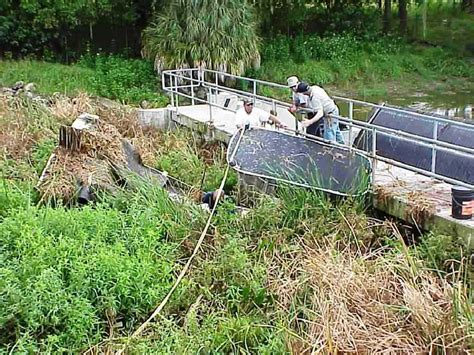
(214, 34)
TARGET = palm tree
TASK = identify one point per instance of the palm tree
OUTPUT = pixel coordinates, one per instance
(213, 34)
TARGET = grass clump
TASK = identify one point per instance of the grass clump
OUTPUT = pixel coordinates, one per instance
(192, 160)
(72, 277)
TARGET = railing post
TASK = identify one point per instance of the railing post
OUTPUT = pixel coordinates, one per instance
(254, 89)
(192, 88)
(351, 108)
(274, 110)
(374, 153)
(217, 84)
(172, 90)
(433, 151)
(176, 88)
(210, 107)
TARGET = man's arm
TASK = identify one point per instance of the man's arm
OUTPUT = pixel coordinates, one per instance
(298, 101)
(277, 122)
(239, 121)
(315, 119)
(317, 107)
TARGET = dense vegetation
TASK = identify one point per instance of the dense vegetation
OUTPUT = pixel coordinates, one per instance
(298, 272)
(230, 44)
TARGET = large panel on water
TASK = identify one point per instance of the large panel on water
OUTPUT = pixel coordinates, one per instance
(450, 164)
(297, 160)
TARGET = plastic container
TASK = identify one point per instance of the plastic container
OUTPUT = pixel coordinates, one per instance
(462, 202)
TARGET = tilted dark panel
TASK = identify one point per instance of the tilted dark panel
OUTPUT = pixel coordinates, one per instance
(454, 165)
(301, 161)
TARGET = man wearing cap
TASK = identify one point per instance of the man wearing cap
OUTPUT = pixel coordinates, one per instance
(300, 100)
(249, 116)
(324, 107)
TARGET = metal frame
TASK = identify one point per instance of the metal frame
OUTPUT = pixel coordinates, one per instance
(175, 80)
(308, 137)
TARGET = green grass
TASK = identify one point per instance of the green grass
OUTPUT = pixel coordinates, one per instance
(412, 64)
(363, 67)
(129, 81)
(48, 77)
(180, 157)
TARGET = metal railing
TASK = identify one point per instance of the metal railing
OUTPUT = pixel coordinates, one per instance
(176, 82)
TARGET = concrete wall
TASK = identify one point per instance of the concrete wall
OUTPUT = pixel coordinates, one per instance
(159, 118)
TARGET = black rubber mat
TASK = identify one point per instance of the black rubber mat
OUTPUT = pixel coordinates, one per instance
(449, 164)
(301, 161)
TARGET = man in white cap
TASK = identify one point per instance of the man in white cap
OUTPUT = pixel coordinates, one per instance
(299, 100)
(249, 116)
(324, 107)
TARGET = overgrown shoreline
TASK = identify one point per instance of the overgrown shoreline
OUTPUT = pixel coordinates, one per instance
(298, 273)
(345, 64)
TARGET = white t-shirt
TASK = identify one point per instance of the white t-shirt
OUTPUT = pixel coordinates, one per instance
(319, 99)
(255, 118)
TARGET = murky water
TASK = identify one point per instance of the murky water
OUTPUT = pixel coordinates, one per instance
(450, 104)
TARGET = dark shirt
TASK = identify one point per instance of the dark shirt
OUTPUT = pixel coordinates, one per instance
(209, 199)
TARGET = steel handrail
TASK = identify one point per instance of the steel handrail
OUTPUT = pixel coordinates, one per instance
(359, 124)
(369, 128)
(345, 99)
(412, 113)
(435, 144)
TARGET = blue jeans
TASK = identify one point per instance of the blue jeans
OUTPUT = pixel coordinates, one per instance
(331, 128)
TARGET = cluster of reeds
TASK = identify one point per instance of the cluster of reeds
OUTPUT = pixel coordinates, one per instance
(341, 291)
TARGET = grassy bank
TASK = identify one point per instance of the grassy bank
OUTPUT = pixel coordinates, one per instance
(129, 81)
(298, 273)
(365, 68)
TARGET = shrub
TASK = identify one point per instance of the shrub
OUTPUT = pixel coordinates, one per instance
(67, 276)
(127, 80)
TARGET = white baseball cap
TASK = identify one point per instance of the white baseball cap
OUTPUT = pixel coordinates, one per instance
(292, 81)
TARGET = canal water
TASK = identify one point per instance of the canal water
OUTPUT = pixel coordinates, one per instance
(456, 105)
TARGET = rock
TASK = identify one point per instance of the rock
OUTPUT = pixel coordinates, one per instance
(18, 85)
(30, 87)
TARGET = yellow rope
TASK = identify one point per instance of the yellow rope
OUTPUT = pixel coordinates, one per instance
(186, 267)
(195, 251)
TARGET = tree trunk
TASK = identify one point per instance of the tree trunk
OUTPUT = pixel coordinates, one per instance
(424, 17)
(402, 15)
(387, 13)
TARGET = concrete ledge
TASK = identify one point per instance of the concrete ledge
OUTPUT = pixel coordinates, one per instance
(159, 118)
(441, 223)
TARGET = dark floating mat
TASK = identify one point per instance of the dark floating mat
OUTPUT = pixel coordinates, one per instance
(297, 160)
(449, 164)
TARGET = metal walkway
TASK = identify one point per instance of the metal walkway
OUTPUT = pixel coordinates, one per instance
(418, 196)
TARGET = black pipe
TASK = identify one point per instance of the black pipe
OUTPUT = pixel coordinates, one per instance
(85, 195)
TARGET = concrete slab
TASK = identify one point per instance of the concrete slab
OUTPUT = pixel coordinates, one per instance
(198, 117)
(419, 200)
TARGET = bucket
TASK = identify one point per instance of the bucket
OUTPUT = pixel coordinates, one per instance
(462, 202)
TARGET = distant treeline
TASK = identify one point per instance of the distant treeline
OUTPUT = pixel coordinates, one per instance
(63, 30)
